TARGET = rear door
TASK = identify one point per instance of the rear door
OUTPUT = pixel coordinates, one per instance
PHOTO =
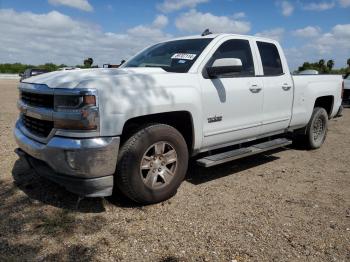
(278, 88)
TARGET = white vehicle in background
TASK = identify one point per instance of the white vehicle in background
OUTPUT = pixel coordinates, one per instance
(346, 94)
(136, 126)
(309, 72)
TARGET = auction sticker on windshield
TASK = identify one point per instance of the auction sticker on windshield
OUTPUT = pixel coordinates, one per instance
(183, 56)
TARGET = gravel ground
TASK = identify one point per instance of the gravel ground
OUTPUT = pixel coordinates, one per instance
(290, 205)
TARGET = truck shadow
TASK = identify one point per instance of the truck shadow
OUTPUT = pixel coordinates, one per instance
(198, 175)
(47, 192)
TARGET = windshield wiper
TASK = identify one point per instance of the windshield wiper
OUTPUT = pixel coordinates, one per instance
(153, 66)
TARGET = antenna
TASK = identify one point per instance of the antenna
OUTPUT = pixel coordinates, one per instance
(206, 32)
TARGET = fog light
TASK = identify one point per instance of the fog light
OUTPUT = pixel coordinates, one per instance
(70, 158)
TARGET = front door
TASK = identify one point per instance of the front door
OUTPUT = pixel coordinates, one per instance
(232, 103)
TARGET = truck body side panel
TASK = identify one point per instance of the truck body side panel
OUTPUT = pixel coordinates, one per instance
(307, 88)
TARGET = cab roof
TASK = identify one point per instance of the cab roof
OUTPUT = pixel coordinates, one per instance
(221, 35)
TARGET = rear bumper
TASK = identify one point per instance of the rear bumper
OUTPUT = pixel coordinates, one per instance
(83, 166)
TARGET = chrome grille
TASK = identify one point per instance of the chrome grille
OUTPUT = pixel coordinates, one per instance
(40, 128)
(37, 100)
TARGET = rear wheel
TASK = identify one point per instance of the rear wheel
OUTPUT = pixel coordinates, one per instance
(152, 164)
(316, 130)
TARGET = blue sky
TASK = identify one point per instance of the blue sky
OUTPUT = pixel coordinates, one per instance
(66, 31)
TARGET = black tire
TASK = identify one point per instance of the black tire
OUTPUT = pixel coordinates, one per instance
(318, 121)
(131, 178)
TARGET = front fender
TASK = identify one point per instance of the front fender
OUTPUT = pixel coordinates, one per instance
(124, 98)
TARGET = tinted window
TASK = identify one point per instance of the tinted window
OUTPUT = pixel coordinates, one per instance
(270, 58)
(236, 49)
(173, 56)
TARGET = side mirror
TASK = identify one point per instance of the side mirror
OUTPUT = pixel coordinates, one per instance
(224, 66)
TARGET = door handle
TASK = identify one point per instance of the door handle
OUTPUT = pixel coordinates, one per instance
(286, 87)
(255, 89)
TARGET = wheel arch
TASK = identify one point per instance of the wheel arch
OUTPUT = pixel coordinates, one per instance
(326, 102)
(181, 120)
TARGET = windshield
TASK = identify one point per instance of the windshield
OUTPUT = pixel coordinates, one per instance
(174, 56)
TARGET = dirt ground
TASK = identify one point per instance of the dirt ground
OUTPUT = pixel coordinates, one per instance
(290, 205)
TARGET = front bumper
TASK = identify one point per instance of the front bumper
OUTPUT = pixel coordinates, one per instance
(84, 166)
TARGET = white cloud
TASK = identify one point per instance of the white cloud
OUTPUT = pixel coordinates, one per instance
(343, 31)
(309, 31)
(79, 4)
(196, 22)
(344, 3)
(320, 6)
(338, 39)
(153, 31)
(287, 8)
(173, 5)
(239, 15)
(275, 33)
(160, 21)
(58, 38)
(334, 44)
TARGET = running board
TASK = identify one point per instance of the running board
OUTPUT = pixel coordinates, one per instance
(221, 158)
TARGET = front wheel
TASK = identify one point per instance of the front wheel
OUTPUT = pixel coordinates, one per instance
(316, 130)
(152, 164)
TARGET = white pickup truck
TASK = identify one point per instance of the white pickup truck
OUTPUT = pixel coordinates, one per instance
(218, 97)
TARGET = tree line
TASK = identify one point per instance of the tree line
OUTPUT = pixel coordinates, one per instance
(324, 67)
(16, 68)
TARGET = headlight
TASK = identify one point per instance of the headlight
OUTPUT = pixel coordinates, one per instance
(76, 112)
(73, 103)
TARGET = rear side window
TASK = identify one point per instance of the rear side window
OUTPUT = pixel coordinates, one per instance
(240, 49)
(270, 59)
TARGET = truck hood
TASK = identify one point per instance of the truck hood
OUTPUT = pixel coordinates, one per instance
(74, 78)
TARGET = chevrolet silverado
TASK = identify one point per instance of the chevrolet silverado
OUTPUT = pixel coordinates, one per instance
(215, 98)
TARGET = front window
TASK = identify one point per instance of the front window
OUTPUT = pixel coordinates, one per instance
(236, 48)
(174, 56)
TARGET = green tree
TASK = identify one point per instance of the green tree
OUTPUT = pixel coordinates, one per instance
(88, 62)
(348, 62)
(322, 66)
(321, 62)
(330, 64)
(49, 66)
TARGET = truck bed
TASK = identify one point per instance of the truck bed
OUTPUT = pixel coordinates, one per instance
(309, 87)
